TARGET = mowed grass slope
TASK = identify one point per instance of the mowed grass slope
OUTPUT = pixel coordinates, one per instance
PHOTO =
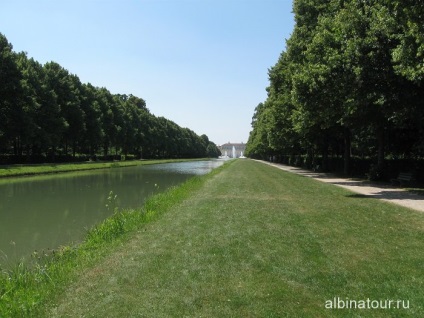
(256, 241)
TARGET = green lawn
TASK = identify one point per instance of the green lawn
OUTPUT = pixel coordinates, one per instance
(255, 241)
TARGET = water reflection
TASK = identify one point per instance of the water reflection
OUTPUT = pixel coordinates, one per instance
(44, 212)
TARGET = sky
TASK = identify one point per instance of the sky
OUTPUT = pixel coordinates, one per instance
(200, 63)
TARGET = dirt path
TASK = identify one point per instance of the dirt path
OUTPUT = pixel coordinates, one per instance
(364, 188)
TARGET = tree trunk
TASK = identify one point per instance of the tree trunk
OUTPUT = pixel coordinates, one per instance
(347, 145)
(28, 153)
(15, 146)
(53, 154)
(105, 149)
(380, 154)
(324, 166)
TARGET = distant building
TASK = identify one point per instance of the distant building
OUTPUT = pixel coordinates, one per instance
(232, 150)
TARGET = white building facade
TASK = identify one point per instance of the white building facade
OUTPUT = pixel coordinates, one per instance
(232, 150)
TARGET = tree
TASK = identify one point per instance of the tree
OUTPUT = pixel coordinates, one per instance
(93, 133)
(45, 111)
(257, 145)
(105, 101)
(67, 88)
(10, 95)
(341, 79)
(29, 127)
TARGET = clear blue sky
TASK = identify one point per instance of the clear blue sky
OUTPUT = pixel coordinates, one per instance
(200, 63)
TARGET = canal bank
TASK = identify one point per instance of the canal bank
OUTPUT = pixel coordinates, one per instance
(43, 212)
(27, 289)
(245, 240)
(50, 168)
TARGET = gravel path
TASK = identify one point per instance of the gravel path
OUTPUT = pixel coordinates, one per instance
(378, 191)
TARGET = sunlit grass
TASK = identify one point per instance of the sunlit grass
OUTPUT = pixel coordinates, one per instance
(28, 286)
(255, 241)
(248, 240)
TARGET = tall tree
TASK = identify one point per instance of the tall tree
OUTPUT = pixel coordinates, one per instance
(341, 79)
(93, 133)
(10, 95)
(67, 88)
(45, 111)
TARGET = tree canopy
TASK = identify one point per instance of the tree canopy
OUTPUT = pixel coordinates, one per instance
(47, 114)
(349, 84)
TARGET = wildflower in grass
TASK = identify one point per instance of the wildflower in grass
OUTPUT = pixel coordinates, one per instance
(112, 202)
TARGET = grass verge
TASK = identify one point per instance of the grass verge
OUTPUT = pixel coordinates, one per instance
(26, 170)
(255, 241)
(248, 240)
(25, 290)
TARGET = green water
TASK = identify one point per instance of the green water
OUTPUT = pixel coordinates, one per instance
(45, 212)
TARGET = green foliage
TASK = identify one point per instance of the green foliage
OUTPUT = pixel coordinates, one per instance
(351, 69)
(45, 112)
(11, 111)
(409, 52)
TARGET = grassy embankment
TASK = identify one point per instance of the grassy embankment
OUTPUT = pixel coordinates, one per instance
(249, 240)
(25, 289)
(26, 170)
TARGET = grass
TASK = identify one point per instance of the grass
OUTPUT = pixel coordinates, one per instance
(26, 289)
(255, 241)
(25, 170)
(247, 240)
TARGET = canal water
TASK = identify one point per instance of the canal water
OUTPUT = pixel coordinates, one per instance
(44, 212)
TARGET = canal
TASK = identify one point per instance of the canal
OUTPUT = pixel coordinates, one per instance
(44, 212)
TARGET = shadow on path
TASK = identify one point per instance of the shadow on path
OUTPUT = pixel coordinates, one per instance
(362, 189)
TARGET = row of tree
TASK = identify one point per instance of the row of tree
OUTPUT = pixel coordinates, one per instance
(349, 84)
(46, 112)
